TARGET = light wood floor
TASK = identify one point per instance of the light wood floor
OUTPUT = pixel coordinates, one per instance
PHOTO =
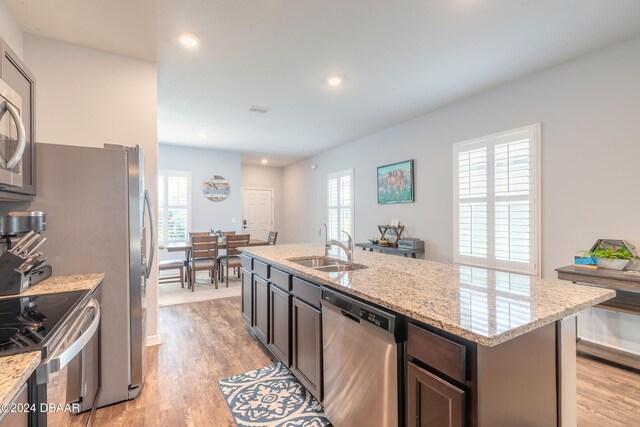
(607, 396)
(206, 341)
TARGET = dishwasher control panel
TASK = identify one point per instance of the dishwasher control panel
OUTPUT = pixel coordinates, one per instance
(379, 321)
(358, 311)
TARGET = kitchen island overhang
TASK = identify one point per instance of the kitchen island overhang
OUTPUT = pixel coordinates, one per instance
(515, 333)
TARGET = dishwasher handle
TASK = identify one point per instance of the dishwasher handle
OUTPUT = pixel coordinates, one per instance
(350, 316)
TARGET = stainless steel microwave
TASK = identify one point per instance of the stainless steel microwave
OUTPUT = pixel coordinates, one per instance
(13, 138)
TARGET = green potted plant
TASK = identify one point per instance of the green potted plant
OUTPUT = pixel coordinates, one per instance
(612, 257)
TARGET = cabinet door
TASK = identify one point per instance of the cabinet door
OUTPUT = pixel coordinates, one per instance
(261, 308)
(18, 76)
(247, 296)
(279, 323)
(306, 363)
(432, 401)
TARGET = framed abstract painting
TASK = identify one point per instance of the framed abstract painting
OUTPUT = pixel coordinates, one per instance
(395, 183)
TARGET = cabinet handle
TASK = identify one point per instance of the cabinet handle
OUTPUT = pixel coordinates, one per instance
(22, 135)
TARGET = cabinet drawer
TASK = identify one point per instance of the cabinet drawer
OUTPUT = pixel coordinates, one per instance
(280, 279)
(261, 269)
(246, 262)
(306, 291)
(438, 352)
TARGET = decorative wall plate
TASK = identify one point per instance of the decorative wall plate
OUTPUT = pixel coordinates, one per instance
(216, 188)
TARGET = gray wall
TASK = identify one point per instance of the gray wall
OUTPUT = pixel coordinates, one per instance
(590, 114)
(256, 176)
(202, 163)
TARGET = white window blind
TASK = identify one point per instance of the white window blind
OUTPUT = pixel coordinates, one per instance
(496, 222)
(340, 204)
(174, 206)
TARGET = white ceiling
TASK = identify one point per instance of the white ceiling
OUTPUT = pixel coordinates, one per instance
(400, 59)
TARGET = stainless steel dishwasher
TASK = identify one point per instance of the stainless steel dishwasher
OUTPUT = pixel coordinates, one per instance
(362, 363)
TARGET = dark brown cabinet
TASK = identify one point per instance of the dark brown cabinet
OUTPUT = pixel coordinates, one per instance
(306, 363)
(247, 296)
(15, 73)
(261, 308)
(432, 401)
(279, 323)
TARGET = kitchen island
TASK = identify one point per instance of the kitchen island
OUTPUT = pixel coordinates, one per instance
(495, 348)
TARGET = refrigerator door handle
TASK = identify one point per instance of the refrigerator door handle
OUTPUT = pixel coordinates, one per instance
(152, 224)
(22, 135)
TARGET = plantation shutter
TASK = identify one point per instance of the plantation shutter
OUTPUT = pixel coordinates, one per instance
(514, 215)
(496, 212)
(340, 204)
(173, 206)
(472, 212)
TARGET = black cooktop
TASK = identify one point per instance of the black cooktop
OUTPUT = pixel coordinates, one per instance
(27, 323)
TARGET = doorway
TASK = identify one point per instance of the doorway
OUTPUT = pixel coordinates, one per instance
(257, 212)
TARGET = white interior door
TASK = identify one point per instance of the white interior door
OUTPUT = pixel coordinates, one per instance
(257, 212)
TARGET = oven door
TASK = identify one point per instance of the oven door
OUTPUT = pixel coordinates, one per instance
(68, 380)
(12, 137)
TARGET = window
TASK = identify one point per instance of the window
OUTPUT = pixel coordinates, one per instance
(340, 204)
(496, 208)
(174, 206)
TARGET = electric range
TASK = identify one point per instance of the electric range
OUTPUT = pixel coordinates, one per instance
(32, 323)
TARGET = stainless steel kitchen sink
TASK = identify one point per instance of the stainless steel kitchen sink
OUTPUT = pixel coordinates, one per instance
(339, 268)
(317, 261)
(327, 264)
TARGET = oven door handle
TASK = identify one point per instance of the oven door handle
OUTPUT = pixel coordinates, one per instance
(22, 134)
(58, 360)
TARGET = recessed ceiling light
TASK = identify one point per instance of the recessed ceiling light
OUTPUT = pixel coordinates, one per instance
(203, 134)
(264, 161)
(334, 81)
(189, 40)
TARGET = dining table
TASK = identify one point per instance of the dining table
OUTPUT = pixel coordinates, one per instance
(185, 246)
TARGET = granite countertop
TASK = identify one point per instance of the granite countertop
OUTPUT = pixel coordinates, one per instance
(486, 306)
(53, 284)
(14, 371)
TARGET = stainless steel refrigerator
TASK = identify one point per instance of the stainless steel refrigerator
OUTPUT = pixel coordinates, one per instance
(97, 208)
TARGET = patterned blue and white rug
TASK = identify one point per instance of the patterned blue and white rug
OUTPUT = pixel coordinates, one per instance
(271, 397)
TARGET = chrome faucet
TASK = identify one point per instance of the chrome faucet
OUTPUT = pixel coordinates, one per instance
(327, 246)
(348, 250)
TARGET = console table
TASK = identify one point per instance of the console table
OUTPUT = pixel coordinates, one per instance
(389, 250)
(627, 300)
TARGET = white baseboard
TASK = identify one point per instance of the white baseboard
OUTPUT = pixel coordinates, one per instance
(153, 340)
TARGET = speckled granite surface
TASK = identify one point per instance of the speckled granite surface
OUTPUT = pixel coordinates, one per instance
(76, 282)
(485, 306)
(14, 371)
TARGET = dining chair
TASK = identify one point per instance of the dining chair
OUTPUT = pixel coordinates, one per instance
(193, 234)
(199, 233)
(172, 264)
(204, 256)
(232, 257)
(222, 251)
(273, 236)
